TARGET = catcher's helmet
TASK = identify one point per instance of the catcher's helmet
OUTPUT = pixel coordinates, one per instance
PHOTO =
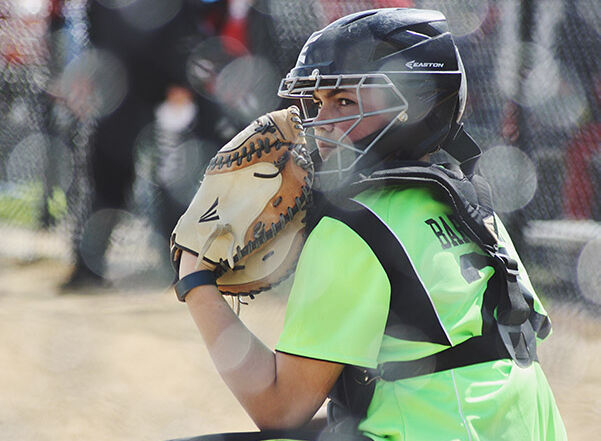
(408, 52)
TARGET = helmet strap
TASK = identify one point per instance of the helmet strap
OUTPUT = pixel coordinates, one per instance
(464, 149)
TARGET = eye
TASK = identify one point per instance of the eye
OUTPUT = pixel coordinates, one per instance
(343, 102)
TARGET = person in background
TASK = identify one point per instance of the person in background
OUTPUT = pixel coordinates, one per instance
(153, 55)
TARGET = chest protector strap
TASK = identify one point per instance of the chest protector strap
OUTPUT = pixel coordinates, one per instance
(513, 332)
(510, 323)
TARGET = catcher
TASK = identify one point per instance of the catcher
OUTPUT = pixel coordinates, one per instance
(410, 308)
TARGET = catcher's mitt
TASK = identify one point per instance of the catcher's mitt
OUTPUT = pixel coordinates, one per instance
(247, 217)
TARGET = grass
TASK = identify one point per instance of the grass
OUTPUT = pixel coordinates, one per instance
(22, 204)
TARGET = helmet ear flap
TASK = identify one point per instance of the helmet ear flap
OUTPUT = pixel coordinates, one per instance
(460, 106)
(462, 89)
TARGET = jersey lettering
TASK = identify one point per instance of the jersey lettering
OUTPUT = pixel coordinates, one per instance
(457, 225)
(447, 236)
(444, 241)
(450, 233)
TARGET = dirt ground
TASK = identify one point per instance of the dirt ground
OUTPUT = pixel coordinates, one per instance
(129, 364)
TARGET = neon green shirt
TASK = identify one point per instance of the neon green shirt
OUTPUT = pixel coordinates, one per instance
(338, 308)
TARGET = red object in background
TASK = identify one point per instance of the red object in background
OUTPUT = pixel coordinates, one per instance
(336, 9)
(12, 54)
(235, 30)
(56, 7)
(394, 3)
(510, 129)
(578, 190)
(26, 33)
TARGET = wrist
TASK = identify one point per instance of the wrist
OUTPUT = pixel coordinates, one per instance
(190, 263)
(205, 265)
(192, 280)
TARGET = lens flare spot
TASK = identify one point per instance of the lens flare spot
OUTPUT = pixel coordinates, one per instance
(207, 60)
(542, 79)
(94, 84)
(131, 235)
(148, 15)
(464, 17)
(231, 348)
(511, 175)
(566, 108)
(589, 276)
(115, 4)
(245, 86)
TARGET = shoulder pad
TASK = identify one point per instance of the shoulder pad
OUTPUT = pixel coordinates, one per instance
(470, 200)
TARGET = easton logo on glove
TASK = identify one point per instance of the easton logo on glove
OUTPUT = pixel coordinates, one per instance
(247, 217)
(211, 213)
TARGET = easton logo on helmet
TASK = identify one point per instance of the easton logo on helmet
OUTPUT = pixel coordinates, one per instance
(416, 64)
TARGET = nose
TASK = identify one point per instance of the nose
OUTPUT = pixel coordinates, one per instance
(323, 114)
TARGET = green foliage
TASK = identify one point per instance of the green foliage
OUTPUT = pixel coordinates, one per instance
(22, 204)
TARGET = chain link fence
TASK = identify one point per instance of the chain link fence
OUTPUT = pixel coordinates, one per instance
(533, 84)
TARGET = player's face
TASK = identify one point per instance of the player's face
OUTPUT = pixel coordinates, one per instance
(340, 103)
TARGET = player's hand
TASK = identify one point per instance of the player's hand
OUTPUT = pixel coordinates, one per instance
(188, 264)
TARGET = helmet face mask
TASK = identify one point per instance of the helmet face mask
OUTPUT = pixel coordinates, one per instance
(407, 53)
(393, 109)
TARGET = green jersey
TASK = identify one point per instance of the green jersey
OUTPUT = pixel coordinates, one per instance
(339, 307)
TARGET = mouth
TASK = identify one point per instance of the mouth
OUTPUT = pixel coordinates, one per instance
(325, 149)
(324, 144)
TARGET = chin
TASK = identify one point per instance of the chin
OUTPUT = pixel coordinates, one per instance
(326, 150)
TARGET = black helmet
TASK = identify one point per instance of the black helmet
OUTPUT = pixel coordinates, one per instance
(407, 51)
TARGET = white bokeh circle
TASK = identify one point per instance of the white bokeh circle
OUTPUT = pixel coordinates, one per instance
(94, 83)
(464, 18)
(512, 177)
(148, 15)
(246, 86)
(588, 274)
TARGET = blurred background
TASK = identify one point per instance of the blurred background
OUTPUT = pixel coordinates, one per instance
(109, 111)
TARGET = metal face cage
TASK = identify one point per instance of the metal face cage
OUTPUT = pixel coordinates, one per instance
(302, 88)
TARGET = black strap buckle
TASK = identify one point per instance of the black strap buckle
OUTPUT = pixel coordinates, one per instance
(513, 308)
(510, 265)
(365, 376)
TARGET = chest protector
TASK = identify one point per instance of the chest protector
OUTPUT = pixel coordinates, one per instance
(510, 323)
